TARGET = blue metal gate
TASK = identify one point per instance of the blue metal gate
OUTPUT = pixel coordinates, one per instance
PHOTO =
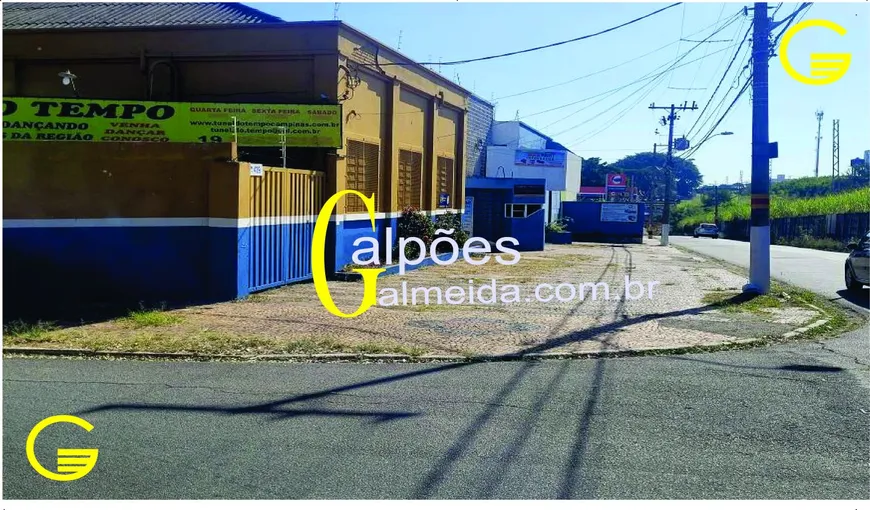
(283, 208)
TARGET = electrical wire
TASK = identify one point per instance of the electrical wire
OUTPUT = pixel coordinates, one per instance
(787, 22)
(670, 66)
(724, 75)
(612, 92)
(537, 48)
(698, 70)
(679, 47)
(710, 134)
(574, 80)
(610, 123)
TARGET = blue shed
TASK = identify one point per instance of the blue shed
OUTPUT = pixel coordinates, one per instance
(497, 208)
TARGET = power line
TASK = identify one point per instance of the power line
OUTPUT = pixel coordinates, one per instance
(649, 76)
(698, 70)
(610, 123)
(573, 80)
(716, 90)
(661, 74)
(537, 48)
(724, 58)
(682, 26)
(709, 134)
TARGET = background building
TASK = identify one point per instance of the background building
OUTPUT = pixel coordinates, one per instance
(519, 151)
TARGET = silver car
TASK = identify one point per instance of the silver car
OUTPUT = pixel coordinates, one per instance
(707, 230)
(858, 264)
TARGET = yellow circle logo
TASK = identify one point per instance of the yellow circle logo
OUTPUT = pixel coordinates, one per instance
(825, 68)
(72, 463)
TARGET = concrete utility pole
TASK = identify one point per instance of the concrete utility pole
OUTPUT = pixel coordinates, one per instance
(669, 121)
(759, 232)
(819, 115)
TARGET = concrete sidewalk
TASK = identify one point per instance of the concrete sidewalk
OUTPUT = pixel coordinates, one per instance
(688, 309)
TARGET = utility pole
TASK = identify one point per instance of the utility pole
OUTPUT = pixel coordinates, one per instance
(835, 172)
(759, 232)
(819, 115)
(669, 121)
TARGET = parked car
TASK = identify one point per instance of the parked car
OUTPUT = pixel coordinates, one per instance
(707, 230)
(858, 264)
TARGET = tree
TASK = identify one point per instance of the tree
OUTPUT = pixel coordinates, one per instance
(593, 172)
(647, 168)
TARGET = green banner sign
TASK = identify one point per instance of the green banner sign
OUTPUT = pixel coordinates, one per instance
(254, 125)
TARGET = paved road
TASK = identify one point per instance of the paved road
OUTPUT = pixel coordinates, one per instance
(819, 271)
(785, 422)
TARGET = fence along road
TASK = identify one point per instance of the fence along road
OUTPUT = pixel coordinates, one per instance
(815, 270)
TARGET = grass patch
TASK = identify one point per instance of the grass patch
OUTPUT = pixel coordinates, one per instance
(19, 329)
(839, 319)
(150, 318)
(205, 342)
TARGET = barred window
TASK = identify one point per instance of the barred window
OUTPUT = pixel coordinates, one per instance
(363, 164)
(445, 176)
(410, 179)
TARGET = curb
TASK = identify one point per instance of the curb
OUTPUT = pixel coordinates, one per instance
(806, 328)
(400, 358)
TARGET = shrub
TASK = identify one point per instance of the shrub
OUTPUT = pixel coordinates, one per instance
(414, 223)
(559, 226)
(451, 221)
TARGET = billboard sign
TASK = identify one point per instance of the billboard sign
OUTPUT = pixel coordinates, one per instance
(622, 213)
(86, 120)
(539, 158)
(616, 182)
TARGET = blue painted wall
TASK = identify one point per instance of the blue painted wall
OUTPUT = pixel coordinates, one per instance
(586, 224)
(45, 267)
(490, 196)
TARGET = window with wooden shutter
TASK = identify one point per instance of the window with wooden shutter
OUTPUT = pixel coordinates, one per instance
(410, 179)
(445, 177)
(363, 164)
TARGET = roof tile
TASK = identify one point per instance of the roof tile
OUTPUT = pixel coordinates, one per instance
(46, 15)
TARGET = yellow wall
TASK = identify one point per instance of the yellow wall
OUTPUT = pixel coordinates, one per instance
(365, 112)
(446, 132)
(56, 180)
(411, 121)
(257, 64)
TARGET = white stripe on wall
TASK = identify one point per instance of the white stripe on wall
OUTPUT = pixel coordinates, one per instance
(198, 222)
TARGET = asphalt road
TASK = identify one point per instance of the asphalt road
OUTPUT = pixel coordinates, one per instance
(816, 270)
(786, 422)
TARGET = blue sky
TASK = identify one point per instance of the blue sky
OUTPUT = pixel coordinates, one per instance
(613, 125)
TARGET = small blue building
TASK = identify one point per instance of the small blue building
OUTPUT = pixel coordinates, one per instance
(497, 208)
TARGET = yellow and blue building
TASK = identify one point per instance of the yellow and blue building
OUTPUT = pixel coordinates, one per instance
(187, 220)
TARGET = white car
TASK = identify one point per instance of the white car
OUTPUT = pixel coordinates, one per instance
(707, 230)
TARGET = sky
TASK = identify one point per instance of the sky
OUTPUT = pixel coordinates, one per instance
(611, 117)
